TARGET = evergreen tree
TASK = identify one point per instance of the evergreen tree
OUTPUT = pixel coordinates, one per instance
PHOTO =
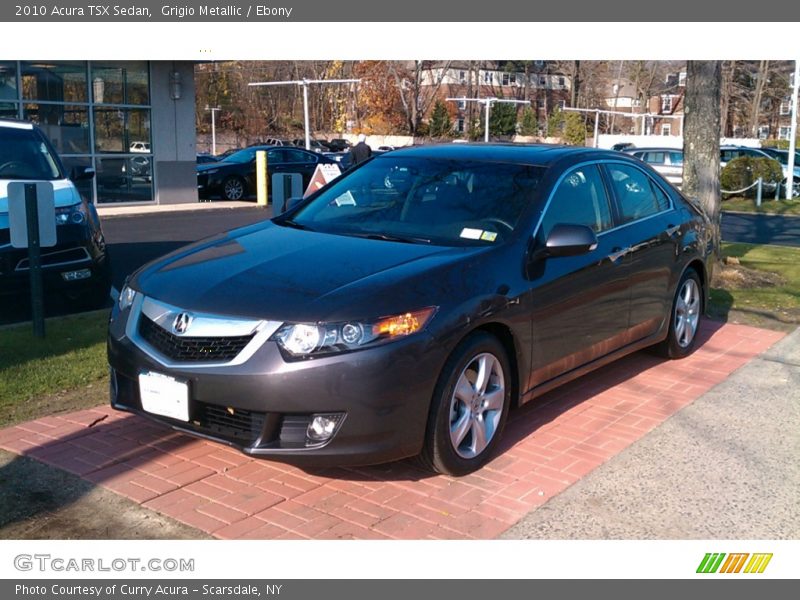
(440, 124)
(529, 124)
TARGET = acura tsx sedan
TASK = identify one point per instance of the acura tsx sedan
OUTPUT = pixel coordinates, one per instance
(406, 307)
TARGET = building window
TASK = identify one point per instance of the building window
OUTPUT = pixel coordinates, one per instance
(562, 104)
(67, 125)
(462, 76)
(540, 103)
(462, 105)
(786, 107)
(763, 132)
(666, 129)
(666, 104)
(562, 82)
(460, 125)
(488, 77)
(636, 103)
(784, 132)
(509, 79)
(542, 80)
(682, 79)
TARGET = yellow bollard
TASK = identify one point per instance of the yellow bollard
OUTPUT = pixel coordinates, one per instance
(261, 177)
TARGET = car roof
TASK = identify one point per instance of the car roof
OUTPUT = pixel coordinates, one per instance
(653, 149)
(531, 154)
(16, 124)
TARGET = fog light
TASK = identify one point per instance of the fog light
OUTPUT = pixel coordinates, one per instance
(76, 275)
(322, 428)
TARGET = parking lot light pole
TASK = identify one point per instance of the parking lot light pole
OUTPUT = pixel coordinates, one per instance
(213, 110)
(487, 104)
(793, 133)
(304, 83)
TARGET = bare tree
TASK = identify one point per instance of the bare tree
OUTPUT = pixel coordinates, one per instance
(701, 138)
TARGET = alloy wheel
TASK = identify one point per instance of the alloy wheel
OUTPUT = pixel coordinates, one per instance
(687, 313)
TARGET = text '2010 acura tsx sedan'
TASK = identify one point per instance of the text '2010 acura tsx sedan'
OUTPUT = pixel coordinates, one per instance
(403, 309)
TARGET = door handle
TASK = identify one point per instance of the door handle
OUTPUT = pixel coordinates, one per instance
(617, 253)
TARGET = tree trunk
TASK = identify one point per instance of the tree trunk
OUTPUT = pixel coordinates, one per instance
(701, 138)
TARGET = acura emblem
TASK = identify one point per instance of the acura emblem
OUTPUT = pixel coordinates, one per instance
(181, 323)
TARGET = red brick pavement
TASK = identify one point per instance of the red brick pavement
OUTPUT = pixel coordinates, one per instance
(548, 445)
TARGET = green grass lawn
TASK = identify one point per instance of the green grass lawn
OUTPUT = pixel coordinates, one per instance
(766, 305)
(768, 207)
(38, 375)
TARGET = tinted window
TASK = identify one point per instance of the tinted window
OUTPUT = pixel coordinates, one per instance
(637, 194)
(448, 202)
(654, 158)
(676, 158)
(298, 156)
(580, 199)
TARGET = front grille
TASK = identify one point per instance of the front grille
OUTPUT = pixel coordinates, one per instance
(191, 349)
(61, 257)
(235, 425)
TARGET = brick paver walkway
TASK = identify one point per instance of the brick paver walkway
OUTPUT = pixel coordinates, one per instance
(548, 445)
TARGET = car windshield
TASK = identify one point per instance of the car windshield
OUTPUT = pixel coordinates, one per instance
(443, 202)
(25, 155)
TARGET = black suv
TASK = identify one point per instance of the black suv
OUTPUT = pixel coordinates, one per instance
(77, 265)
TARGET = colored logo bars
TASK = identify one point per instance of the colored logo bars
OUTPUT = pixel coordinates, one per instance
(713, 563)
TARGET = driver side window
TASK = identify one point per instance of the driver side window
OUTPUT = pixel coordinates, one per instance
(580, 199)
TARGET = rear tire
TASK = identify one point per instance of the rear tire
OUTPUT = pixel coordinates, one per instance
(469, 408)
(685, 317)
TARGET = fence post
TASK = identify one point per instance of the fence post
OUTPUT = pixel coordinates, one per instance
(758, 192)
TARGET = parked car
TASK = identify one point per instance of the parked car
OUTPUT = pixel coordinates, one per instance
(728, 153)
(782, 156)
(339, 145)
(234, 177)
(316, 145)
(404, 308)
(622, 146)
(667, 161)
(139, 147)
(77, 266)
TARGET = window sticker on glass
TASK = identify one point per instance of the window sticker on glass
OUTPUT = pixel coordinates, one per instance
(345, 199)
(471, 234)
(489, 236)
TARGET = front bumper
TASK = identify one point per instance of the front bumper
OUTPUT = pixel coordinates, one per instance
(77, 249)
(262, 406)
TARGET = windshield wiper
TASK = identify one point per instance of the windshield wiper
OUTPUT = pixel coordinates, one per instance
(391, 238)
(294, 224)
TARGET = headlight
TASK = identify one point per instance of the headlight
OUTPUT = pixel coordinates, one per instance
(126, 298)
(74, 215)
(312, 339)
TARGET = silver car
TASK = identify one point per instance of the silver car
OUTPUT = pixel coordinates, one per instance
(667, 161)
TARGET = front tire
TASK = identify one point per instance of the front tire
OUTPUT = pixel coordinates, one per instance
(685, 317)
(470, 407)
(233, 188)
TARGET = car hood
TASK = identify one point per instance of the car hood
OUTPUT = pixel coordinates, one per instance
(64, 193)
(274, 272)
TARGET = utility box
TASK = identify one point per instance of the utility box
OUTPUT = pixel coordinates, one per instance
(285, 186)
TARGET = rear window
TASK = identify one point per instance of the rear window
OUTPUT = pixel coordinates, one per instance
(25, 155)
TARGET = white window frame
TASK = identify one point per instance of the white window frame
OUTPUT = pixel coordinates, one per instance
(462, 105)
(462, 76)
(682, 79)
(666, 103)
(784, 132)
(562, 81)
(763, 132)
(666, 129)
(543, 80)
(460, 125)
(785, 108)
(562, 104)
(488, 77)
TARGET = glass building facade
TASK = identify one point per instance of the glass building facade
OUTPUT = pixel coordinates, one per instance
(95, 113)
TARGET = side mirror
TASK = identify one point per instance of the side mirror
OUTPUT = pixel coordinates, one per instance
(81, 173)
(569, 240)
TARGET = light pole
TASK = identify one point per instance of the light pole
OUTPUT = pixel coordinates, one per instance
(487, 103)
(213, 110)
(304, 83)
(793, 132)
